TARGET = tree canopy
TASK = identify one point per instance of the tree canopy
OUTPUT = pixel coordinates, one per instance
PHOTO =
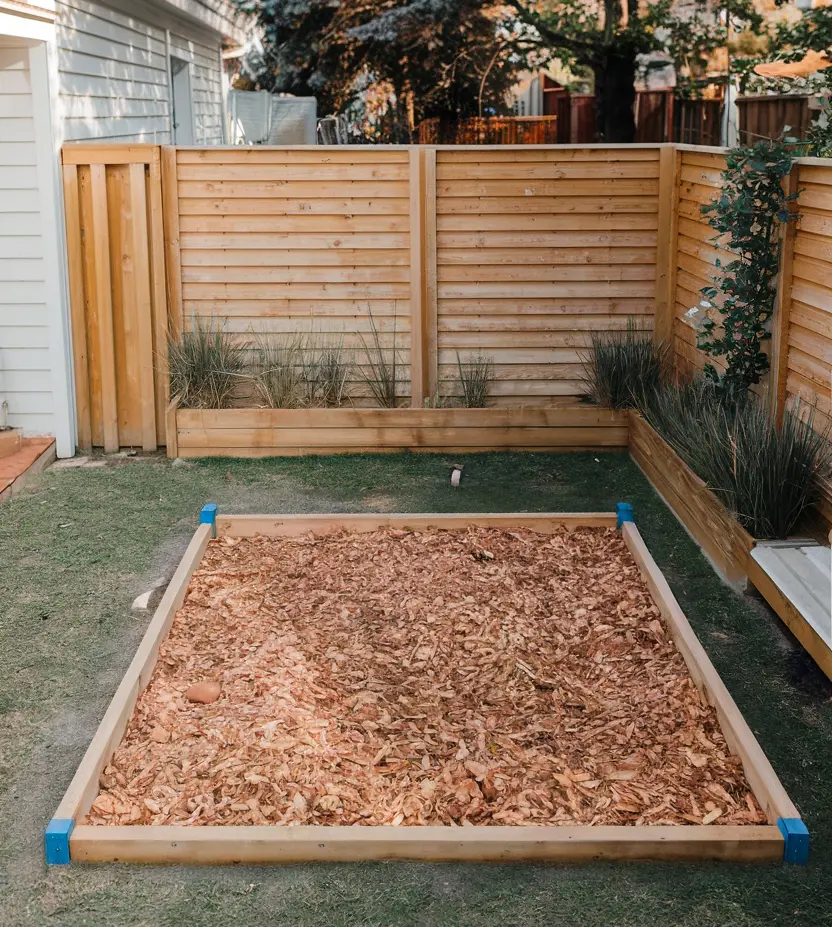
(455, 57)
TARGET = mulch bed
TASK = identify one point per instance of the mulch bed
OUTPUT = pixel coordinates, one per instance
(464, 677)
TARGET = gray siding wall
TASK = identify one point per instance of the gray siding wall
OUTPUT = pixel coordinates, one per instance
(114, 73)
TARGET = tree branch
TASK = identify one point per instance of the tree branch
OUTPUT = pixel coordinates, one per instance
(585, 52)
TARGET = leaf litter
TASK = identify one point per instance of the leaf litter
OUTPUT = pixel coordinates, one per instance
(464, 677)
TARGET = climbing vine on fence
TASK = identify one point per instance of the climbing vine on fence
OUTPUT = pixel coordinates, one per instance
(750, 208)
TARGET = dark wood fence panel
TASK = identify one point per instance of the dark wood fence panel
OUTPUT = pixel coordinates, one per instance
(497, 130)
(654, 116)
(768, 116)
(697, 122)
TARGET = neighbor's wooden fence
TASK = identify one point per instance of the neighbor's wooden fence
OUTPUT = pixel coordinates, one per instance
(491, 130)
(766, 116)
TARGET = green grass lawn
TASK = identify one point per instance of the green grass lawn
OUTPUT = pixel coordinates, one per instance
(80, 544)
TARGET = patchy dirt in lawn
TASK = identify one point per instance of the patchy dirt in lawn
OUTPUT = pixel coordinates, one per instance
(458, 677)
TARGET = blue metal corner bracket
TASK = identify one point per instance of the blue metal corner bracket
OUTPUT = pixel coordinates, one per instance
(208, 516)
(56, 841)
(623, 512)
(797, 840)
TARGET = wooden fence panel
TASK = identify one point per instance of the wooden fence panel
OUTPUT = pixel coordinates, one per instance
(806, 370)
(696, 252)
(766, 116)
(535, 250)
(117, 307)
(697, 122)
(313, 240)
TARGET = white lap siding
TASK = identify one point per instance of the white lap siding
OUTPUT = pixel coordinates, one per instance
(206, 87)
(25, 370)
(114, 73)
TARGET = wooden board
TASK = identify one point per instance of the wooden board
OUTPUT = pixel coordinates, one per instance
(295, 525)
(793, 609)
(261, 845)
(721, 537)
(277, 432)
(212, 844)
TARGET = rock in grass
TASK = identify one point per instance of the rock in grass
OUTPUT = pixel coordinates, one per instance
(203, 692)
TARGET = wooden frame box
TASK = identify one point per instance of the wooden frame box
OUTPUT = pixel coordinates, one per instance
(784, 836)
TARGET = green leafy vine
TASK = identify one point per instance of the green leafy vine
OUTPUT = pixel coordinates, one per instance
(750, 208)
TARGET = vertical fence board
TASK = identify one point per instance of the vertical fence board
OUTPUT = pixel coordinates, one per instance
(666, 245)
(173, 265)
(123, 288)
(158, 293)
(431, 318)
(144, 309)
(104, 300)
(75, 268)
(91, 307)
(417, 277)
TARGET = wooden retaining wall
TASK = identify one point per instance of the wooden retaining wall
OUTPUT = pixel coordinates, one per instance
(725, 542)
(288, 432)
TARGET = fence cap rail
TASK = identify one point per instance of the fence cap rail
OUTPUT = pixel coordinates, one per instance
(73, 153)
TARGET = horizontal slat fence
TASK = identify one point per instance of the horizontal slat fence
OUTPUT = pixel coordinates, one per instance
(535, 250)
(317, 241)
(696, 251)
(805, 331)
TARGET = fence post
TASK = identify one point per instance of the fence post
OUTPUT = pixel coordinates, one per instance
(666, 244)
(138, 249)
(431, 284)
(103, 297)
(158, 292)
(779, 367)
(418, 282)
(170, 198)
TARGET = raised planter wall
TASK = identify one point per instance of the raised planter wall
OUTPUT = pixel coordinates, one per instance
(725, 542)
(286, 432)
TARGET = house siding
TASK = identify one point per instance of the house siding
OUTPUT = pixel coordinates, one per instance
(25, 369)
(206, 87)
(113, 72)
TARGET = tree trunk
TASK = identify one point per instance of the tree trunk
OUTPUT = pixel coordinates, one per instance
(615, 95)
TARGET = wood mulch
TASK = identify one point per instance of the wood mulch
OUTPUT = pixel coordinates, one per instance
(469, 677)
